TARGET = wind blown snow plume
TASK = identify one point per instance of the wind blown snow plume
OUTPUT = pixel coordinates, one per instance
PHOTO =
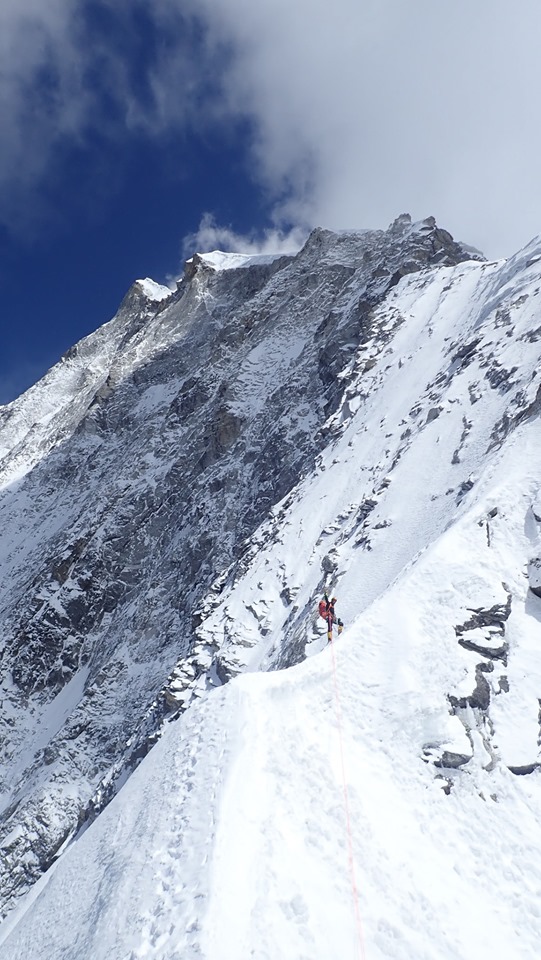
(210, 236)
(362, 417)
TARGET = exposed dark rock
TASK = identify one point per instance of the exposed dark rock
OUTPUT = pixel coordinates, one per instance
(480, 697)
(495, 653)
(223, 670)
(533, 335)
(453, 760)
(464, 488)
(523, 771)
(464, 355)
(499, 378)
(474, 392)
(446, 783)
(483, 634)
(495, 616)
(328, 564)
(534, 576)
(365, 509)
(511, 419)
(363, 542)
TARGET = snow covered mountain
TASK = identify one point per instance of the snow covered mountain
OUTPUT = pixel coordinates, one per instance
(177, 493)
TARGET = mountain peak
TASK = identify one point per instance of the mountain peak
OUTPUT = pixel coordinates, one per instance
(178, 493)
(153, 291)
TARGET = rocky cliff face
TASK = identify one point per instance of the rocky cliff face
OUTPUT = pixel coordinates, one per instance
(151, 467)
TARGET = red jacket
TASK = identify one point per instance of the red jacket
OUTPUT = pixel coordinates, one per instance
(326, 610)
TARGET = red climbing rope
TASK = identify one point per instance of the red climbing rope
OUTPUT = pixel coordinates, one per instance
(354, 889)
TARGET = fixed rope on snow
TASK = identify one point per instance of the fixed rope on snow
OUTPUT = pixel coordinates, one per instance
(326, 610)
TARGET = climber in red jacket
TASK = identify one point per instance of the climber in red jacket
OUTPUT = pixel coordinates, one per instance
(326, 610)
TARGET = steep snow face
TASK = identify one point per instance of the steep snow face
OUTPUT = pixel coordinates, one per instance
(132, 475)
(260, 434)
(447, 370)
(232, 839)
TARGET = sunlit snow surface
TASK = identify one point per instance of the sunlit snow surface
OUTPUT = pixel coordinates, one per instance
(154, 291)
(229, 842)
(219, 260)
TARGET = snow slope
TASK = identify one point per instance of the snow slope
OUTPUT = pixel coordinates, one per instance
(230, 840)
(420, 726)
(133, 479)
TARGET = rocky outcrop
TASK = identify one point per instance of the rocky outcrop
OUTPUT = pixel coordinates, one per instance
(534, 576)
(484, 635)
(484, 632)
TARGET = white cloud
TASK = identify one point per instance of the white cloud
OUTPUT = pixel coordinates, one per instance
(28, 35)
(358, 110)
(212, 236)
(56, 73)
(365, 109)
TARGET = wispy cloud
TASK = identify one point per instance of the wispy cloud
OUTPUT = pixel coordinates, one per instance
(357, 111)
(212, 236)
(362, 110)
(72, 71)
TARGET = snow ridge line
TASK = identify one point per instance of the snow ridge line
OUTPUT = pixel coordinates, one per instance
(354, 888)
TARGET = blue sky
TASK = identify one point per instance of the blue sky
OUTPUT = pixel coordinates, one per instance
(134, 131)
(110, 203)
